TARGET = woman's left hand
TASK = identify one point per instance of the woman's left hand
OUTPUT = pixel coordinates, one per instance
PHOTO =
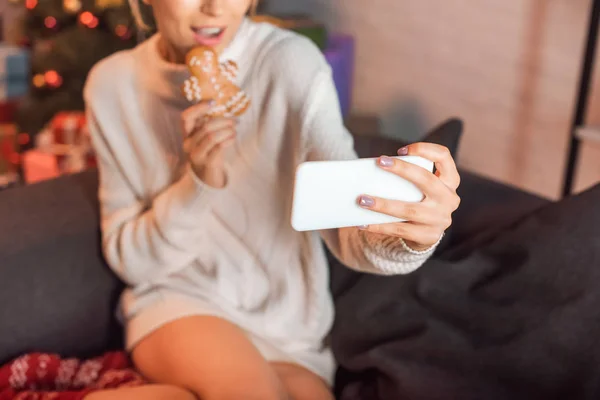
(427, 220)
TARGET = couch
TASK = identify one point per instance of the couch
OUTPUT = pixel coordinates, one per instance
(57, 294)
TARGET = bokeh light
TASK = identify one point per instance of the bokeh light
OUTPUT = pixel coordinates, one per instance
(53, 78)
(50, 22)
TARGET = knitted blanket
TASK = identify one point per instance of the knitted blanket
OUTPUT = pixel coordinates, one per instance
(42, 376)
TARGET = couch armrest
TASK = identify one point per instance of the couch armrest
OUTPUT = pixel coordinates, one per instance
(488, 206)
(447, 134)
(56, 293)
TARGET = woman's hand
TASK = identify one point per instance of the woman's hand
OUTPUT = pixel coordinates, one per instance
(204, 142)
(427, 220)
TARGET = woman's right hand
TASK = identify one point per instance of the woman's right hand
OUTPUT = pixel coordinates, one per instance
(204, 142)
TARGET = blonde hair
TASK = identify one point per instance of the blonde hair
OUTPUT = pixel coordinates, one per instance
(138, 17)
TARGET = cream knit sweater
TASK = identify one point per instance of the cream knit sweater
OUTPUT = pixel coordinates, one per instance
(234, 247)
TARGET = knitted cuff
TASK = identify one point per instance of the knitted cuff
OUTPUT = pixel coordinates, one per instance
(428, 250)
(392, 255)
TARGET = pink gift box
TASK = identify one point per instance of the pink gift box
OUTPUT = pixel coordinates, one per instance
(39, 166)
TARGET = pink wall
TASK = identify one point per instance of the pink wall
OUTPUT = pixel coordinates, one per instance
(509, 68)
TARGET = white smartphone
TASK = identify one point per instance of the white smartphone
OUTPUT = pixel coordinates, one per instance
(326, 192)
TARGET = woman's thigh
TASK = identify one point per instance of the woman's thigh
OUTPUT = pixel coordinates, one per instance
(210, 357)
(302, 384)
(147, 392)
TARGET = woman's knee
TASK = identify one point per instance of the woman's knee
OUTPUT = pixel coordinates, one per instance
(301, 383)
(146, 392)
(211, 357)
(258, 391)
(238, 385)
(167, 392)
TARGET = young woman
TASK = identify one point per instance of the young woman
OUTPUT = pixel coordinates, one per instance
(225, 300)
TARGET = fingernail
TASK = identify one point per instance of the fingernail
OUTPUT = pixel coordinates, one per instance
(363, 227)
(386, 161)
(366, 201)
(403, 151)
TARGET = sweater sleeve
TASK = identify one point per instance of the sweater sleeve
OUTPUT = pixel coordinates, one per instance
(326, 138)
(143, 238)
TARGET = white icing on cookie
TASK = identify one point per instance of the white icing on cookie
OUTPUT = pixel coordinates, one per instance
(218, 84)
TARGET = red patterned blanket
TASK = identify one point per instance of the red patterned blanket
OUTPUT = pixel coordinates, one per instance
(41, 376)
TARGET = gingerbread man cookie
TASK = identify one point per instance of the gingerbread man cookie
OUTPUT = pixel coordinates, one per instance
(212, 80)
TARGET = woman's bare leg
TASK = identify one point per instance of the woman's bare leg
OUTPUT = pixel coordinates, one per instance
(210, 357)
(147, 392)
(299, 383)
(302, 384)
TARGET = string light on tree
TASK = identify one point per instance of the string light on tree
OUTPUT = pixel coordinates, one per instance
(93, 24)
(50, 78)
(39, 81)
(50, 22)
(53, 79)
(66, 37)
(88, 19)
(122, 31)
(72, 6)
(102, 4)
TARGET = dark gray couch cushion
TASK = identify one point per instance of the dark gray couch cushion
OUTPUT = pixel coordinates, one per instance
(56, 293)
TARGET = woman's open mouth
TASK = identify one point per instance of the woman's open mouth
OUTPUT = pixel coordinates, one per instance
(208, 35)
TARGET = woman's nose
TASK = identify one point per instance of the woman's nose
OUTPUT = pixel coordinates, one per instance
(212, 7)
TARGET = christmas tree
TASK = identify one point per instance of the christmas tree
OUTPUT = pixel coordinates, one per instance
(66, 38)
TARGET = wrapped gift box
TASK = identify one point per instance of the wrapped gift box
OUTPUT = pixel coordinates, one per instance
(14, 72)
(67, 142)
(39, 166)
(69, 127)
(14, 63)
(73, 146)
(9, 150)
(339, 53)
(8, 109)
(13, 89)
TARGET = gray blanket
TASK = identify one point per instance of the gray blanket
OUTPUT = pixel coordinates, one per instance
(515, 317)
